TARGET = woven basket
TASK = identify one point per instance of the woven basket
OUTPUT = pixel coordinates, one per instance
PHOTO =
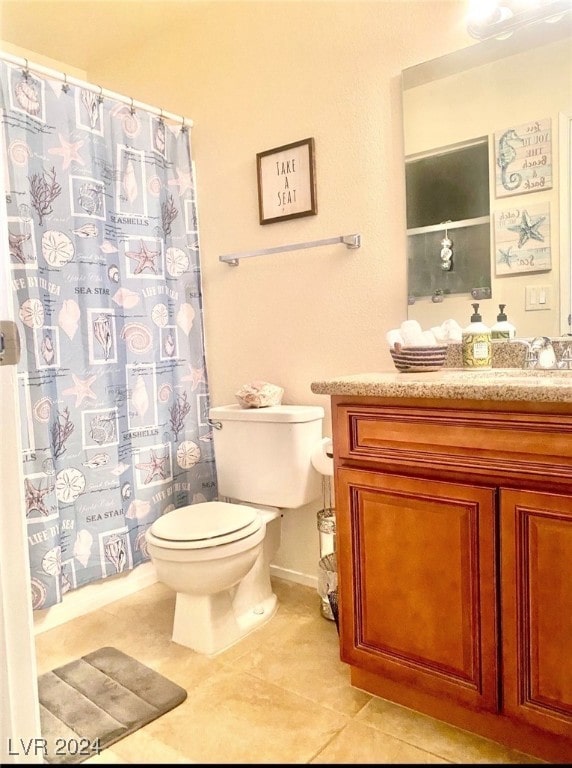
(417, 359)
(333, 600)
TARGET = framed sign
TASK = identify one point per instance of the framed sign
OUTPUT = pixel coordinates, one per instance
(287, 182)
(523, 158)
(522, 239)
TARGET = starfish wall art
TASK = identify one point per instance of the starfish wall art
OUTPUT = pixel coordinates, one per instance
(522, 239)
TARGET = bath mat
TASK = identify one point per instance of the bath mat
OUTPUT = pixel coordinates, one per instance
(94, 701)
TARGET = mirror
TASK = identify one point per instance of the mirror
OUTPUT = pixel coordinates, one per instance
(472, 98)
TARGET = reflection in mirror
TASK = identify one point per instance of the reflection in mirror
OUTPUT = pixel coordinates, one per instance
(448, 215)
(487, 134)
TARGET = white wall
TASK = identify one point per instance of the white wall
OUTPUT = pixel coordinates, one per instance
(253, 76)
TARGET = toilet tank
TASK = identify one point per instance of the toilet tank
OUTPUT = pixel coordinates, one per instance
(263, 455)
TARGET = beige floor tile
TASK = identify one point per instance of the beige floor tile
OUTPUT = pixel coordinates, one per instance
(279, 695)
(435, 736)
(106, 757)
(295, 601)
(258, 637)
(156, 608)
(233, 717)
(147, 596)
(305, 658)
(359, 743)
(141, 748)
(184, 666)
(296, 598)
(143, 627)
(68, 641)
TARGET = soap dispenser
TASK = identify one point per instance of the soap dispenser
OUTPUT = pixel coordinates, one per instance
(476, 342)
(502, 329)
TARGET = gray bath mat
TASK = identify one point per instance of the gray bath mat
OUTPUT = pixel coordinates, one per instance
(90, 703)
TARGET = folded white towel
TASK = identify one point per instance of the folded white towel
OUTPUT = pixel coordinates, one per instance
(412, 333)
(394, 337)
(429, 339)
(439, 333)
(453, 330)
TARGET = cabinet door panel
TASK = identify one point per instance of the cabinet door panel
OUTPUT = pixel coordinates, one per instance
(536, 589)
(417, 575)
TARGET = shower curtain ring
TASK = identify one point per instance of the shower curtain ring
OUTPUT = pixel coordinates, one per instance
(132, 107)
(26, 70)
(183, 127)
(161, 118)
(65, 86)
(100, 95)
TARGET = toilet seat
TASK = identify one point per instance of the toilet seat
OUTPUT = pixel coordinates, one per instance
(208, 524)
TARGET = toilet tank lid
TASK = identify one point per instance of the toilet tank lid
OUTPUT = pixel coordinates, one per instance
(277, 413)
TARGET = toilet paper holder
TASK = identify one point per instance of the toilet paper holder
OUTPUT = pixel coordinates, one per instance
(323, 457)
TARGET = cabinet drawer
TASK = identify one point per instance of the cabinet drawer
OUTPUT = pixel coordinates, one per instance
(481, 441)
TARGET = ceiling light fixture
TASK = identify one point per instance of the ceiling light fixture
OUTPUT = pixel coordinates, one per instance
(502, 18)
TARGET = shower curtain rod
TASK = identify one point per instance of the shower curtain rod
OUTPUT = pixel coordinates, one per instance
(28, 66)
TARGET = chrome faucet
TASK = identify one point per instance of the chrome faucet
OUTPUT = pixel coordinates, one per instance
(541, 354)
(566, 358)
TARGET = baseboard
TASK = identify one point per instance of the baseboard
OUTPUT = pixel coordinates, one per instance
(296, 576)
(94, 596)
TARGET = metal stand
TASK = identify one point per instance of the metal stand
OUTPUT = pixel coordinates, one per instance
(327, 566)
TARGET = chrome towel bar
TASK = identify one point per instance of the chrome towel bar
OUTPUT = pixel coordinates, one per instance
(351, 241)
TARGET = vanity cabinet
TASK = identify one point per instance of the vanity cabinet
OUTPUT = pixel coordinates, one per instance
(454, 524)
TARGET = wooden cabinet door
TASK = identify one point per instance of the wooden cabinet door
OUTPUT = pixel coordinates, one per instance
(536, 608)
(417, 573)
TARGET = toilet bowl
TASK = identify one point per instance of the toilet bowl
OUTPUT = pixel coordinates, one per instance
(216, 555)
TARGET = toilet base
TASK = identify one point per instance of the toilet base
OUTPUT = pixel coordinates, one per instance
(208, 624)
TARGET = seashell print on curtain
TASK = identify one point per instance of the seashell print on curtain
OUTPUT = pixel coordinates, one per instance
(103, 250)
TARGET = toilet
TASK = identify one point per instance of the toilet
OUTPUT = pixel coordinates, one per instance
(216, 555)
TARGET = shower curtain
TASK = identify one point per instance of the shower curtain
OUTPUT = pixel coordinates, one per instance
(105, 276)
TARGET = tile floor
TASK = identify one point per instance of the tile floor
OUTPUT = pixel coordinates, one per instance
(281, 695)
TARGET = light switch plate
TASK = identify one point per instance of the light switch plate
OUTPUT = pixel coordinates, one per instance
(538, 297)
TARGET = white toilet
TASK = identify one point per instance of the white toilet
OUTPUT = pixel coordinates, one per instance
(216, 555)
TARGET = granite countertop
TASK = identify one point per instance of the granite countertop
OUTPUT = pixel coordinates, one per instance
(508, 384)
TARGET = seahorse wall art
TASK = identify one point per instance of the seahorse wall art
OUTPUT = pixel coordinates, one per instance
(523, 158)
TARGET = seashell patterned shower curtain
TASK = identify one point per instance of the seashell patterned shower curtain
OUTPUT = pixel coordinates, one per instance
(105, 275)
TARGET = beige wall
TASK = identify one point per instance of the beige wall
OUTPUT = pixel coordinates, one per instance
(45, 61)
(257, 75)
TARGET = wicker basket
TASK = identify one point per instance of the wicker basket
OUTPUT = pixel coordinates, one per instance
(328, 585)
(333, 600)
(417, 359)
